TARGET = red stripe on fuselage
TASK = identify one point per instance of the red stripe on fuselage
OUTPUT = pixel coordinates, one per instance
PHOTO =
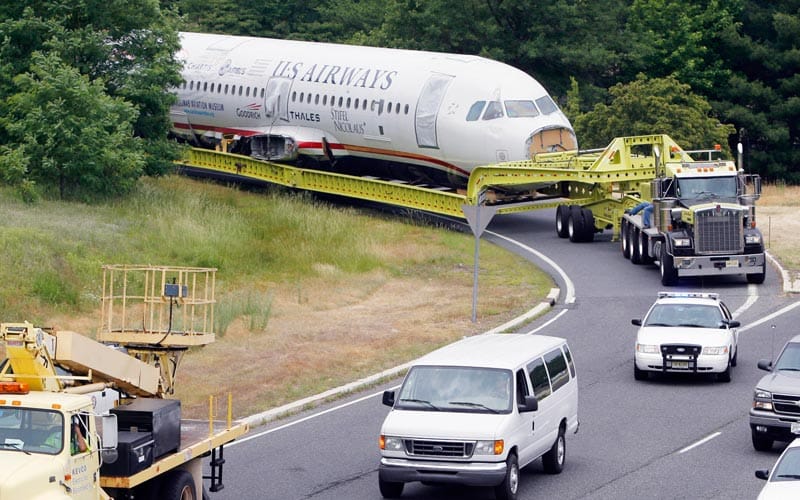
(350, 148)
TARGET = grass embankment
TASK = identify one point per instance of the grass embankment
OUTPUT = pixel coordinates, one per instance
(778, 216)
(310, 296)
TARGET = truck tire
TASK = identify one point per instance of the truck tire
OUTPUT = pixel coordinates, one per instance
(633, 241)
(644, 254)
(757, 278)
(507, 490)
(177, 485)
(669, 276)
(760, 442)
(553, 460)
(562, 220)
(390, 489)
(588, 225)
(624, 243)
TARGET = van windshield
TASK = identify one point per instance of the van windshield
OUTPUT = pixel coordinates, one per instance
(456, 389)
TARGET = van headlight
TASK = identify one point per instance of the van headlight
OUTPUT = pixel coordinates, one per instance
(762, 400)
(390, 443)
(489, 447)
(716, 351)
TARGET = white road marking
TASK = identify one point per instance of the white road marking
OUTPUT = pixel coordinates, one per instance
(698, 443)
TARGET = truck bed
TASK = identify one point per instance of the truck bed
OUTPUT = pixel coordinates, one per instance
(198, 437)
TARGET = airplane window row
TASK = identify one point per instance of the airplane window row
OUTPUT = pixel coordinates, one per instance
(513, 109)
(218, 88)
(350, 103)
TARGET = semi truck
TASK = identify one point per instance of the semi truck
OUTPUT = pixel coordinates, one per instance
(84, 418)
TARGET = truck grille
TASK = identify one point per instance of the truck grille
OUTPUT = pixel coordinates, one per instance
(718, 231)
(786, 404)
(422, 448)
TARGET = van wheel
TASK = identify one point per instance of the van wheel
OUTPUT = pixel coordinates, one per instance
(507, 490)
(390, 489)
(553, 460)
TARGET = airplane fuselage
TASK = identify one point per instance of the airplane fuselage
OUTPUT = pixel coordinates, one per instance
(409, 113)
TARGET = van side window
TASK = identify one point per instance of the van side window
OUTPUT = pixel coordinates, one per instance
(539, 380)
(522, 387)
(569, 361)
(557, 367)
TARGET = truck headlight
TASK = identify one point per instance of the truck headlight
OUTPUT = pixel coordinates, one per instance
(682, 242)
(762, 400)
(752, 239)
(647, 348)
(489, 447)
(715, 351)
(390, 443)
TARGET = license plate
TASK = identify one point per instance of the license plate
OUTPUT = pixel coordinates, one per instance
(680, 364)
(795, 427)
(732, 263)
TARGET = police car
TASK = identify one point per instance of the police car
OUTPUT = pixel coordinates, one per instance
(686, 333)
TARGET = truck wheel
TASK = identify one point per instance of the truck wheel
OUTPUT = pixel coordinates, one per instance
(624, 227)
(669, 276)
(757, 278)
(575, 223)
(588, 225)
(761, 443)
(644, 254)
(390, 489)
(562, 220)
(553, 460)
(178, 485)
(507, 490)
(636, 257)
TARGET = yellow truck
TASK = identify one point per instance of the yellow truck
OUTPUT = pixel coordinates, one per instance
(91, 419)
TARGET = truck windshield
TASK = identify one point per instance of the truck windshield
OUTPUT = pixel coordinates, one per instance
(456, 389)
(790, 358)
(707, 188)
(31, 430)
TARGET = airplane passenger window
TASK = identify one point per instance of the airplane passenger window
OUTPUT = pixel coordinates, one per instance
(397, 108)
(364, 104)
(205, 86)
(324, 100)
(355, 105)
(191, 85)
(516, 109)
(493, 110)
(475, 111)
(247, 92)
(316, 99)
(226, 89)
(389, 107)
(212, 88)
(406, 109)
(341, 100)
(348, 103)
(294, 96)
(301, 98)
(240, 89)
(308, 98)
(546, 104)
(262, 92)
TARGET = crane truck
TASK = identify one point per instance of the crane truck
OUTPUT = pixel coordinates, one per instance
(92, 419)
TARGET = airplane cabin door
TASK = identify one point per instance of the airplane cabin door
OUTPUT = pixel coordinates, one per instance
(430, 99)
(276, 99)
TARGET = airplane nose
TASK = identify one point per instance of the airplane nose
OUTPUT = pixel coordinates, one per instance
(548, 140)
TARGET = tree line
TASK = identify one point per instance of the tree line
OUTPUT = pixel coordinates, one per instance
(83, 89)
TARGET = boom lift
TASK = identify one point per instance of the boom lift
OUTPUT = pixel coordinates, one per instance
(56, 385)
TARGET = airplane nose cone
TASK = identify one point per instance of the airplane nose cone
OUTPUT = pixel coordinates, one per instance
(553, 139)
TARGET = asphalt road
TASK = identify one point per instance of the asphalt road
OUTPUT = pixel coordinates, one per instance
(665, 438)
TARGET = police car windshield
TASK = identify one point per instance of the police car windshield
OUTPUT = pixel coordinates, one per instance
(687, 315)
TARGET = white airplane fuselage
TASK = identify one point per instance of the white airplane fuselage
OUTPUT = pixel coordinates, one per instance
(401, 113)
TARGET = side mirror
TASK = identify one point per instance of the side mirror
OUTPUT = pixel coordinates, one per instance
(636, 322)
(762, 474)
(108, 431)
(530, 404)
(388, 398)
(765, 364)
(734, 324)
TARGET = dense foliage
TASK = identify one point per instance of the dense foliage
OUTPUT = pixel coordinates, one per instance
(84, 83)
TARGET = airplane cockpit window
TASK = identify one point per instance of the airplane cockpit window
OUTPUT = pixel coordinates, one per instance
(546, 104)
(475, 111)
(493, 110)
(517, 109)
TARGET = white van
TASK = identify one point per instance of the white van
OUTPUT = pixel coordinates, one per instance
(477, 410)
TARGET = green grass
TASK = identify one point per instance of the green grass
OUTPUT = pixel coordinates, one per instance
(52, 251)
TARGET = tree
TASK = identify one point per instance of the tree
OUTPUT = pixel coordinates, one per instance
(72, 135)
(123, 48)
(653, 106)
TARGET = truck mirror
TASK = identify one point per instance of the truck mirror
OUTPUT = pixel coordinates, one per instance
(765, 364)
(108, 431)
(388, 398)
